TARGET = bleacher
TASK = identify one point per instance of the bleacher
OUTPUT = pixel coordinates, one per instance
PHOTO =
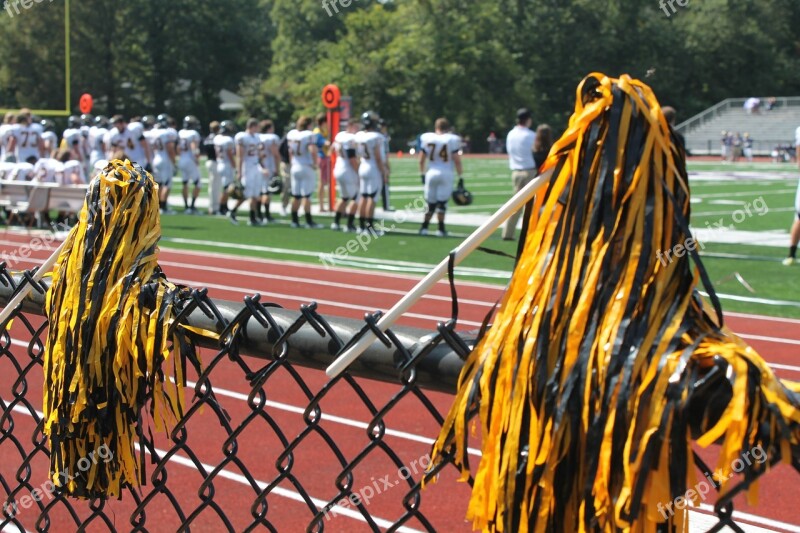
(19, 198)
(768, 129)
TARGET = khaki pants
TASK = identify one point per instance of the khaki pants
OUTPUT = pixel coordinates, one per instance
(519, 178)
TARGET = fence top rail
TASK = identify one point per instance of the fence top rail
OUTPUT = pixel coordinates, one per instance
(435, 364)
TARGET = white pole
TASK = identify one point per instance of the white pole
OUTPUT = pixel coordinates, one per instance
(45, 267)
(463, 250)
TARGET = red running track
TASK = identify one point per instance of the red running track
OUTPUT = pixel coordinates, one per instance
(351, 293)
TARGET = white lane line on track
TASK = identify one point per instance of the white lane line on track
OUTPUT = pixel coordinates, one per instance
(307, 299)
(278, 491)
(770, 339)
(373, 262)
(236, 258)
(242, 290)
(345, 511)
(755, 519)
(300, 410)
(332, 418)
(311, 281)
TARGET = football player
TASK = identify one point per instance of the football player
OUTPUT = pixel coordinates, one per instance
(214, 180)
(440, 154)
(271, 161)
(163, 142)
(371, 171)
(346, 173)
(72, 138)
(189, 160)
(303, 155)
(140, 152)
(97, 135)
(226, 160)
(248, 152)
(49, 138)
(87, 121)
(26, 140)
(119, 141)
(6, 129)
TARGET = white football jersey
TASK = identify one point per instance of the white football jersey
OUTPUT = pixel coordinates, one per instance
(185, 140)
(343, 142)
(268, 140)
(223, 144)
(46, 168)
(251, 146)
(440, 149)
(97, 136)
(50, 140)
(72, 137)
(22, 172)
(159, 140)
(116, 140)
(5, 136)
(368, 143)
(6, 170)
(27, 141)
(136, 152)
(70, 168)
(300, 145)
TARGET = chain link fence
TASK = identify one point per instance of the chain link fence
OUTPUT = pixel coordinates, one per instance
(274, 457)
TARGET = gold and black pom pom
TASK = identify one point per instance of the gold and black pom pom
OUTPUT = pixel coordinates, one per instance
(583, 382)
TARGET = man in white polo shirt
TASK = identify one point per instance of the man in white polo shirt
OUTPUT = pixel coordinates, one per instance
(519, 145)
(794, 235)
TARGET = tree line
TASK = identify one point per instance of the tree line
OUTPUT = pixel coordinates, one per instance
(410, 60)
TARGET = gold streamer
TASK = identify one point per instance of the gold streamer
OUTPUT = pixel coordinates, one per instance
(583, 381)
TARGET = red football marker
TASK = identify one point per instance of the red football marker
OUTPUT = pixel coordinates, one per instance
(331, 96)
(86, 103)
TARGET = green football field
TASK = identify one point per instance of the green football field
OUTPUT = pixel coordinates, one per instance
(746, 272)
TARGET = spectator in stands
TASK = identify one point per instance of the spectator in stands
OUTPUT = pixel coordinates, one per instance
(323, 143)
(794, 234)
(748, 147)
(494, 143)
(519, 145)
(737, 147)
(752, 106)
(772, 102)
(725, 146)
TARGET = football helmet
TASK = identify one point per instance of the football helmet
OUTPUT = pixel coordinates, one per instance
(227, 127)
(190, 122)
(163, 120)
(461, 196)
(235, 190)
(101, 121)
(74, 121)
(87, 119)
(370, 119)
(48, 125)
(148, 121)
(275, 186)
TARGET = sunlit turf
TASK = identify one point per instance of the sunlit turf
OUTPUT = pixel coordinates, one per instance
(754, 204)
